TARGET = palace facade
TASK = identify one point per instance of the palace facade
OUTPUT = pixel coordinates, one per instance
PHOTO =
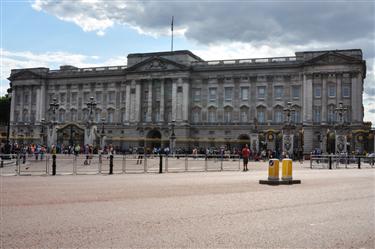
(204, 103)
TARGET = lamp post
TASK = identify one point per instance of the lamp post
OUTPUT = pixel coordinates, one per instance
(102, 133)
(172, 138)
(91, 105)
(341, 137)
(288, 126)
(54, 106)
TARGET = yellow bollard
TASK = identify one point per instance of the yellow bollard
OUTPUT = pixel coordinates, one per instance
(273, 170)
(287, 169)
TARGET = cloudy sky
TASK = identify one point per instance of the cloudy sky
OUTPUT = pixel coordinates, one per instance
(102, 32)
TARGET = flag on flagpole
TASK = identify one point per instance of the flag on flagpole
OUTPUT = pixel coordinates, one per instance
(172, 24)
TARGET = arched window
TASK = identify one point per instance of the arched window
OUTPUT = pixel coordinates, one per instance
(110, 114)
(61, 115)
(331, 114)
(212, 115)
(279, 114)
(73, 115)
(261, 114)
(196, 115)
(228, 114)
(25, 116)
(244, 114)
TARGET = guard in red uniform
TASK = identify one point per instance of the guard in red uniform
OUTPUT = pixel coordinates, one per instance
(245, 157)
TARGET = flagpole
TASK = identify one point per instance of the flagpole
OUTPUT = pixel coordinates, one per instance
(172, 35)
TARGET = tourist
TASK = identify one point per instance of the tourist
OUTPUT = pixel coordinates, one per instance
(245, 157)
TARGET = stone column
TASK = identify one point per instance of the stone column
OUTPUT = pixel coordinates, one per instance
(307, 98)
(42, 106)
(137, 108)
(38, 109)
(149, 102)
(127, 103)
(162, 100)
(339, 86)
(174, 92)
(324, 100)
(360, 99)
(13, 104)
(185, 91)
(356, 98)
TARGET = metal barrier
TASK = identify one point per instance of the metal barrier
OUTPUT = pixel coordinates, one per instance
(69, 164)
(340, 161)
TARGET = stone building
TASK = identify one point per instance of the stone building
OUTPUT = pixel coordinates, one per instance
(208, 103)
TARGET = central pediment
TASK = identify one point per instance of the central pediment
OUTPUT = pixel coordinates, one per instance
(156, 64)
(332, 58)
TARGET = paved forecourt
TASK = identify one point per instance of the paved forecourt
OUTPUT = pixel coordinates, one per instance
(330, 209)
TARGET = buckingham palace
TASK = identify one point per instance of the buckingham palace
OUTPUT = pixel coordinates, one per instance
(177, 99)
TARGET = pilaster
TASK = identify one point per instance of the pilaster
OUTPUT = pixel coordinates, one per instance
(324, 100)
(149, 102)
(137, 107)
(174, 94)
(185, 106)
(127, 104)
(307, 98)
(162, 100)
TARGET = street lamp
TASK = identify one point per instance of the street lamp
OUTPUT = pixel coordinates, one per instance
(288, 126)
(91, 105)
(54, 106)
(172, 137)
(341, 137)
(103, 121)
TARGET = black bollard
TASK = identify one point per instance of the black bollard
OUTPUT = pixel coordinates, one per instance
(161, 164)
(330, 162)
(359, 162)
(111, 164)
(53, 164)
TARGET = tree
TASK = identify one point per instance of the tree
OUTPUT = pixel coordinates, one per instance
(5, 109)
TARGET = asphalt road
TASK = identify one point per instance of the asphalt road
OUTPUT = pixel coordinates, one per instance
(330, 209)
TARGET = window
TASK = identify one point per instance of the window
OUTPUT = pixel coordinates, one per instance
(296, 116)
(244, 93)
(98, 97)
(26, 98)
(346, 92)
(278, 116)
(228, 91)
(74, 98)
(317, 92)
(32, 116)
(97, 115)
(227, 115)
(331, 114)
(110, 116)
(197, 95)
(212, 94)
(86, 97)
(61, 116)
(18, 99)
(123, 95)
(179, 89)
(212, 115)
(279, 92)
(111, 97)
(244, 114)
(33, 98)
(261, 117)
(316, 115)
(332, 91)
(196, 116)
(62, 98)
(261, 92)
(25, 117)
(123, 116)
(16, 116)
(85, 114)
(296, 92)
(73, 115)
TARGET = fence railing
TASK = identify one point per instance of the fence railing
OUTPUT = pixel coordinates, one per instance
(340, 161)
(64, 164)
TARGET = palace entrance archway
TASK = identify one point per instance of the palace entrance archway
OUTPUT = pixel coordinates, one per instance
(70, 134)
(153, 139)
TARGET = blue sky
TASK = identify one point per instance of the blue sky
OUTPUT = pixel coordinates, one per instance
(86, 33)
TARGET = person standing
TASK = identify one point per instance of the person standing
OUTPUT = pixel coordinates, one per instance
(245, 157)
